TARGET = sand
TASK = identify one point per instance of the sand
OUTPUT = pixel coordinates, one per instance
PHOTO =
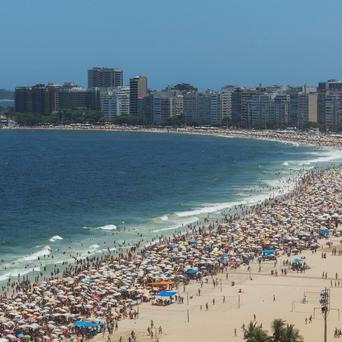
(219, 322)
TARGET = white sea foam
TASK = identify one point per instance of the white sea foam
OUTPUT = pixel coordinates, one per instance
(164, 218)
(34, 256)
(105, 227)
(321, 156)
(14, 273)
(207, 210)
(324, 157)
(55, 238)
(180, 225)
(94, 247)
(108, 227)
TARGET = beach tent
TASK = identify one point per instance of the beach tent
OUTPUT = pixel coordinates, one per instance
(167, 293)
(297, 261)
(84, 324)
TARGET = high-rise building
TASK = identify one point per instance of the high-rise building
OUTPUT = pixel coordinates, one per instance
(260, 109)
(268, 108)
(281, 108)
(53, 91)
(215, 117)
(203, 108)
(177, 105)
(162, 107)
(236, 106)
(294, 105)
(246, 95)
(240, 105)
(105, 77)
(332, 109)
(226, 103)
(190, 107)
(307, 108)
(73, 97)
(138, 90)
(23, 99)
(329, 102)
(333, 85)
(115, 102)
(39, 99)
(166, 104)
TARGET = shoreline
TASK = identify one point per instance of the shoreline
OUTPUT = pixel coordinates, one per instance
(292, 137)
(106, 264)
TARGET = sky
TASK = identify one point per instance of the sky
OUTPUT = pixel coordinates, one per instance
(208, 43)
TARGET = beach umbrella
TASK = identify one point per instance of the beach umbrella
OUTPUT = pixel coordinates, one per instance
(167, 293)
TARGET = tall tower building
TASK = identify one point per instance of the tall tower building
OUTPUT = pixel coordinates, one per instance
(23, 99)
(138, 90)
(105, 78)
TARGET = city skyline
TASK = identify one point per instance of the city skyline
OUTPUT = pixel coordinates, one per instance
(290, 43)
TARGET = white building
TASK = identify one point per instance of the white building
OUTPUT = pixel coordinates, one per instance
(177, 105)
(115, 102)
(166, 104)
(226, 102)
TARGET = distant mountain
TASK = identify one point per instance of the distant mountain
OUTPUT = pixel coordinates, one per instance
(6, 94)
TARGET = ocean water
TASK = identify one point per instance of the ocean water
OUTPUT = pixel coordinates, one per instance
(67, 194)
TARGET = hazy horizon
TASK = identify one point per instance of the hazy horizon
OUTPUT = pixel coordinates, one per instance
(205, 44)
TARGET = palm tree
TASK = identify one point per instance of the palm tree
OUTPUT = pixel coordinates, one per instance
(255, 333)
(278, 327)
(281, 332)
(292, 334)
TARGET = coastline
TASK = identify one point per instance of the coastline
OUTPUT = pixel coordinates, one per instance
(179, 237)
(313, 139)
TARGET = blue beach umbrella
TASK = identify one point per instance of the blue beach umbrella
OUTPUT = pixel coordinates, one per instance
(167, 293)
(324, 232)
(268, 252)
(191, 271)
(84, 324)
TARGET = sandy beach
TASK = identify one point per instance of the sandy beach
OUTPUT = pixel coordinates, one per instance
(219, 322)
(270, 262)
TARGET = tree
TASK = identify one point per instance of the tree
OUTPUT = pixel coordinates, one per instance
(291, 334)
(176, 121)
(128, 120)
(281, 332)
(284, 333)
(255, 333)
(27, 119)
(278, 327)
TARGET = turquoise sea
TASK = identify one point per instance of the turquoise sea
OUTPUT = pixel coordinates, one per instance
(66, 194)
